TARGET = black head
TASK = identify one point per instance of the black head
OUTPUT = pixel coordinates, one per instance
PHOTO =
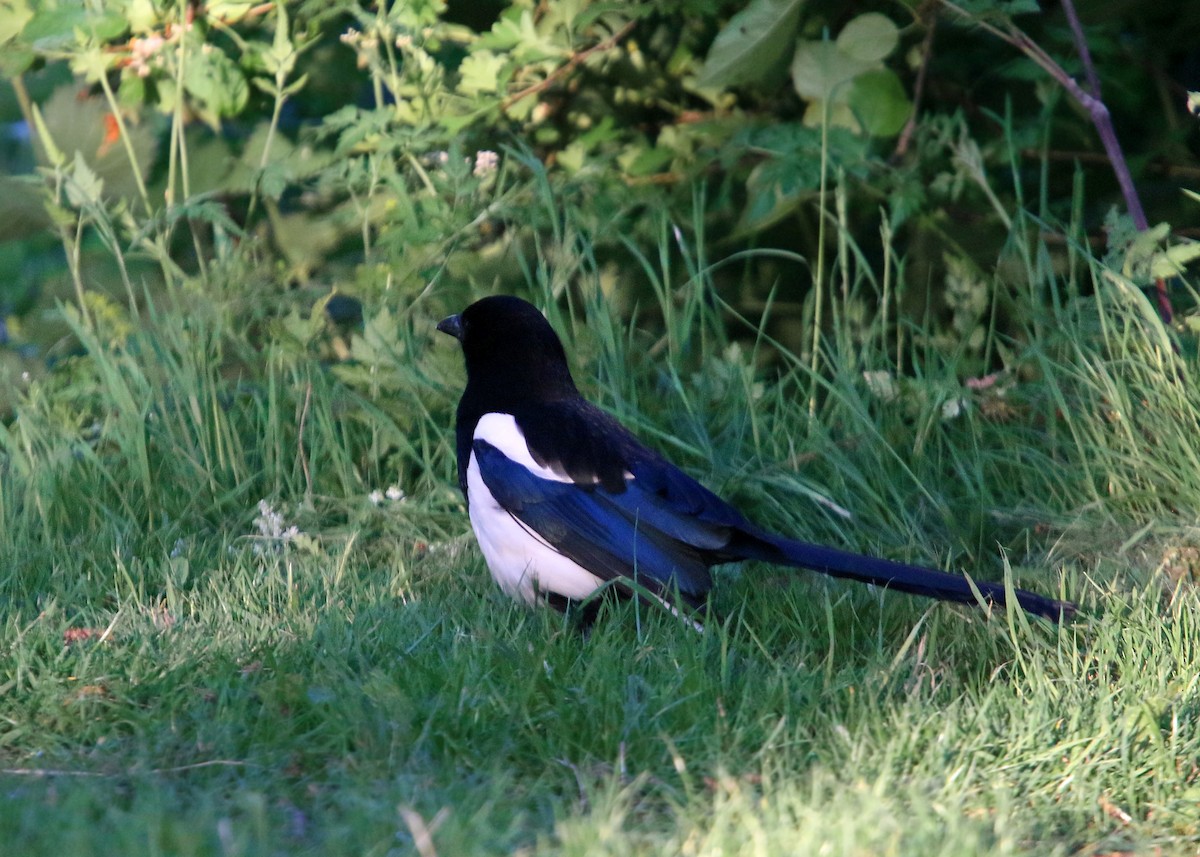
(510, 350)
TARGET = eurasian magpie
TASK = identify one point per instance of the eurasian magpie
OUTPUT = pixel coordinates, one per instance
(563, 499)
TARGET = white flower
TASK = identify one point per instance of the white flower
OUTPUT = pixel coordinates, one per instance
(376, 497)
(485, 162)
(951, 408)
(395, 494)
(273, 533)
(141, 50)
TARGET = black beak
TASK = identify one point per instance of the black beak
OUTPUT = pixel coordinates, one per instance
(451, 325)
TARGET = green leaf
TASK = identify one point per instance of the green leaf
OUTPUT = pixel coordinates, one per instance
(281, 58)
(505, 33)
(143, 17)
(14, 15)
(820, 69)
(879, 102)
(296, 85)
(16, 59)
(92, 62)
(303, 329)
(519, 34)
(868, 38)
(378, 343)
(836, 113)
(132, 94)
(61, 28)
(1172, 261)
(229, 11)
(1143, 250)
(84, 187)
(274, 179)
(776, 187)
(573, 157)
(644, 160)
(480, 72)
(17, 56)
(752, 44)
(217, 84)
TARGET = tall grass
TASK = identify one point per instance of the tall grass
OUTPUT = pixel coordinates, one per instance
(180, 678)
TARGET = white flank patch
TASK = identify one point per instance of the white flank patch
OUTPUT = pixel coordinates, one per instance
(502, 432)
(521, 561)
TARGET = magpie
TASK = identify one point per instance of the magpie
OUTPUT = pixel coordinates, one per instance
(565, 501)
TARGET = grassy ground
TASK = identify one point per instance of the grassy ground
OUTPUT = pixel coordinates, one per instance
(184, 674)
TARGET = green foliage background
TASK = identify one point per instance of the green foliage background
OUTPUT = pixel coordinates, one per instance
(340, 139)
(237, 607)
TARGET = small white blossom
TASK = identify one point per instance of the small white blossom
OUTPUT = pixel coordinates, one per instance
(272, 531)
(395, 494)
(951, 408)
(485, 163)
(141, 50)
(376, 497)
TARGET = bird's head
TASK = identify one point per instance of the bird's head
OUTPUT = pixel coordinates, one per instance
(510, 349)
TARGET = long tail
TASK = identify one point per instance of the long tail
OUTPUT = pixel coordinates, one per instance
(910, 578)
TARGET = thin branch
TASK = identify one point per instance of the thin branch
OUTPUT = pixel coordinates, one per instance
(1132, 200)
(300, 450)
(1092, 103)
(575, 60)
(1158, 167)
(1081, 45)
(918, 90)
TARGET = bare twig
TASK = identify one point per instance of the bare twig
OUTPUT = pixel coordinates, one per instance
(1091, 102)
(1159, 167)
(606, 45)
(1081, 45)
(918, 90)
(308, 486)
(1131, 198)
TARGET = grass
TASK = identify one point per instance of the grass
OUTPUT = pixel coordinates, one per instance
(182, 676)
